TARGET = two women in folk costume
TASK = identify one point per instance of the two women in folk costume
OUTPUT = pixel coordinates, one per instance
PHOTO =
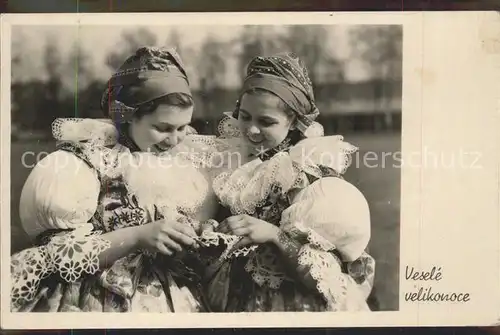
(120, 212)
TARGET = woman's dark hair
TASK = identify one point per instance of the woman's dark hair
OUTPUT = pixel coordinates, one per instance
(294, 135)
(260, 91)
(181, 100)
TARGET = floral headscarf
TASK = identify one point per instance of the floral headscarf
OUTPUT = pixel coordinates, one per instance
(148, 75)
(286, 76)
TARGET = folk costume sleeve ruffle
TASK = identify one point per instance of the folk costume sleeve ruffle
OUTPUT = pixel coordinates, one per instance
(325, 219)
(330, 222)
(57, 204)
(84, 189)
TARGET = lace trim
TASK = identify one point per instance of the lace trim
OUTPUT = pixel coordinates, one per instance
(228, 127)
(263, 265)
(362, 270)
(173, 183)
(331, 283)
(97, 131)
(77, 252)
(28, 268)
(92, 136)
(105, 161)
(304, 234)
(326, 151)
(247, 187)
(179, 179)
(71, 254)
(313, 148)
(265, 269)
(209, 239)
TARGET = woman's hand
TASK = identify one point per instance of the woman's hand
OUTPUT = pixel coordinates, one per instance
(166, 236)
(252, 230)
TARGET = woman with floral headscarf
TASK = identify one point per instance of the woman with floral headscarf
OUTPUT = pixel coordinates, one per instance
(302, 229)
(114, 220)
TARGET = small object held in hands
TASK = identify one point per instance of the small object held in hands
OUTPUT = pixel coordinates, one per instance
(213, 223)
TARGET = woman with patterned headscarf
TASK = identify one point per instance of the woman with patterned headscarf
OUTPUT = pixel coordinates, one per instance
(115, 227)
(302, 229)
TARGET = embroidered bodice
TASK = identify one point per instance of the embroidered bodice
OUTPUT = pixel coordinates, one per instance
(92, 185)
(94, 178)
(302, 191)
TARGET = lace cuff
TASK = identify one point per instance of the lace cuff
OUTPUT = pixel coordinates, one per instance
(76, 252)
(325, 269)
(316, 263)
(304, 235)
(69, 253)
(362, 270)
(28, 268)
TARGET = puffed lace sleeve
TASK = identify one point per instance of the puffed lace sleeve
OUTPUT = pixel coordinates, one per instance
(58, 200)
(331, 213)
(60, 193)
(329, 221)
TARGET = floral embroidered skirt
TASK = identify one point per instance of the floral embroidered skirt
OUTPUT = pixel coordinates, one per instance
(133, 284)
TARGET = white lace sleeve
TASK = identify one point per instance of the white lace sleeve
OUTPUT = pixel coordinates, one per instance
(339, 290)
(61, 192)
(327, 216)
(331, 214)
(60, 195)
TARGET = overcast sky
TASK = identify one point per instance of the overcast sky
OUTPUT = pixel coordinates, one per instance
(99, 41)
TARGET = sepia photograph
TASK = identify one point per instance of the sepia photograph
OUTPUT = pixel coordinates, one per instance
(81, 240)
(227, 170)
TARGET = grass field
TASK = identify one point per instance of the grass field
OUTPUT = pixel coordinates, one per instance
(380, 185)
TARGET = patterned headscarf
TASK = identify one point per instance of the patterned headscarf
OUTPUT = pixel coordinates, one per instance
(286, 76)
(148, 75)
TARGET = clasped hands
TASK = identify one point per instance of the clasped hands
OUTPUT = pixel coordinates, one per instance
(169, 237)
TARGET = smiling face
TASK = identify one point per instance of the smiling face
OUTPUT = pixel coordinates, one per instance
(161, 129)
(264, 120)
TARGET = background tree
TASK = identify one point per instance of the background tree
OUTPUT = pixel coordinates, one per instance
(79, 67)
(308, 42)
(257, 41)
(174, 40)
(50, 107)
(131, 41)
(211, 63)
(86, 88)
(380, 47)
(211, 69)
(188, 55)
